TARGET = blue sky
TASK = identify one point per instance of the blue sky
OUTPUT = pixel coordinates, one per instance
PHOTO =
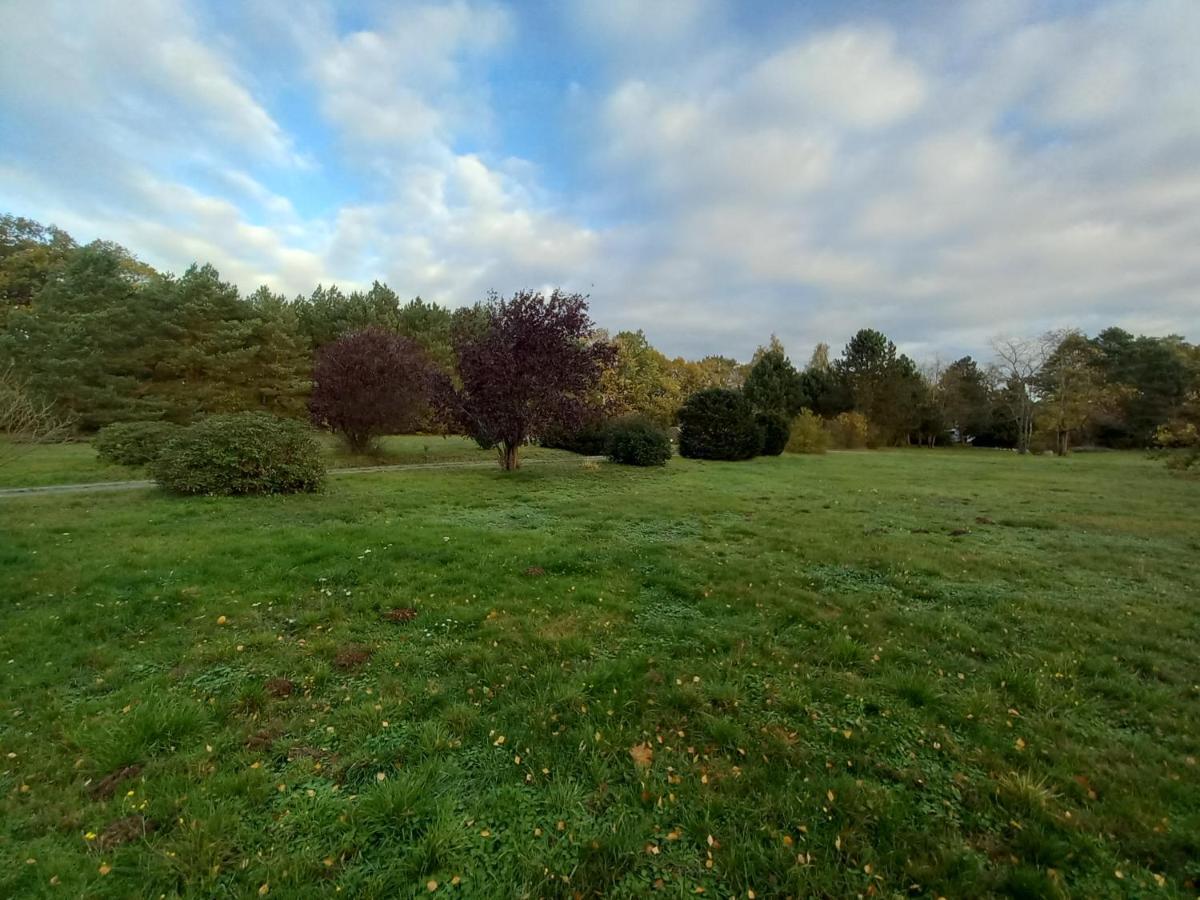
(711, 172)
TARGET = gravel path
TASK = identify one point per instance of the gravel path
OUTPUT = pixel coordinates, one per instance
(101, 486)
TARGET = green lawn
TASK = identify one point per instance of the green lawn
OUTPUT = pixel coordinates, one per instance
(952, 674)
(32, 465)
(25, 465)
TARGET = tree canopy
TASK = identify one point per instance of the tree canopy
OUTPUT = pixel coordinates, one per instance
(525, 364)
(773, 385)
(371, 383)
(95, 336)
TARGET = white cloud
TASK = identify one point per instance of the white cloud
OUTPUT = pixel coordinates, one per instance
(461, 229)
(942, 175)
(1018, 172)
(628, 30)
(400, 82)
(130, 67)
(852, 76)
(160, 144)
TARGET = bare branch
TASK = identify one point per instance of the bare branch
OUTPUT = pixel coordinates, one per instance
(25, 421)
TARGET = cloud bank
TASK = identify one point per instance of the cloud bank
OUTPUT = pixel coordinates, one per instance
(710, 173)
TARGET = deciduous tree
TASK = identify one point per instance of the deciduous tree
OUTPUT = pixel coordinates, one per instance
(640, 381)
(1072, 385)
(524, 364)
(29, 253)
(1015, 372)
(1155, 376)
(371, 383)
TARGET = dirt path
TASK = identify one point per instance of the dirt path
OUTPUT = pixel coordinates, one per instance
(101, 486)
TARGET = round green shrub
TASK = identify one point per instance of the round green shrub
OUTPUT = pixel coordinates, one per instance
(718, 423)
(637, 442)
(133, 443)
(241, 453)
(775, 431)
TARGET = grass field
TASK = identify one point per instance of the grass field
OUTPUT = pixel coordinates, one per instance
(954, 674)
(26, 465)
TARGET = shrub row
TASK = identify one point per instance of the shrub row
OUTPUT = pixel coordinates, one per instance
(812, 434)
(133, 443)
(240, 453)
(631, 441)
(721, 424)
(637, 442)
(589, 440)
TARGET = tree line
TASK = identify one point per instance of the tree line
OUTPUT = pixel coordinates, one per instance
(101, 337)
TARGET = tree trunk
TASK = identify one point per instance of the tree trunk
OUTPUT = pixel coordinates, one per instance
(508, 456)
(1064, 442)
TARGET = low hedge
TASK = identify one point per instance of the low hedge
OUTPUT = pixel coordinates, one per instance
(637, 442)
(587, 440)
(133, 443)
(241, 453)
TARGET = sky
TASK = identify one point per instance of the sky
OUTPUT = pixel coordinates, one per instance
(710, 172)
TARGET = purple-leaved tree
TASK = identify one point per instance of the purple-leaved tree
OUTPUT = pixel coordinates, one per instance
(371, 383)
(525, 364)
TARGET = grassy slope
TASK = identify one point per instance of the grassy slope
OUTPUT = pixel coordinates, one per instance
(23, 465)
(841, 697)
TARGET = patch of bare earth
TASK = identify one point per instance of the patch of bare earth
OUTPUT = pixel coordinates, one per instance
(561, 627)
(123, 831)
(107, 786)
(280, 687)
(351, 656)
(263, 739)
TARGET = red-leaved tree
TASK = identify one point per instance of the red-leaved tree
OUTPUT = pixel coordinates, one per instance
(525, 364)
(371, 383)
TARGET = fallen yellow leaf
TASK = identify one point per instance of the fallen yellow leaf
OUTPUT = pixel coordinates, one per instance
(643, 755)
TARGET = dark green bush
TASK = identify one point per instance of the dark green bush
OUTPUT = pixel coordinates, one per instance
(637, 442)
(776, 432)
(718, 424)
(133, 443)
(241, 453)
(588, 440)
